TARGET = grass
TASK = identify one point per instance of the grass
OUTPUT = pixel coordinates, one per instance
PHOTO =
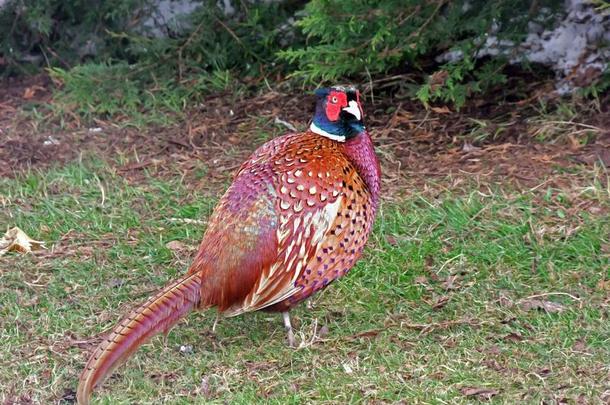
(130, 95)
(435, 312)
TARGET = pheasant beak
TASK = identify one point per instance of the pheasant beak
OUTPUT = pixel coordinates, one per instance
(353, 109)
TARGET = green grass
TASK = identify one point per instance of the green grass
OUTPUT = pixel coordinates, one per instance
(126, 94)
(433, 308)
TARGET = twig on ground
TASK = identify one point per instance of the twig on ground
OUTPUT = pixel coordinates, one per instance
(426, 328)
(101, 187)
(279, 121)
(188, 221)
(580, 302)
(553, 293)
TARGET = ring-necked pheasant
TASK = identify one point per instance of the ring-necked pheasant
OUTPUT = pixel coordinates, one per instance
(295, 218)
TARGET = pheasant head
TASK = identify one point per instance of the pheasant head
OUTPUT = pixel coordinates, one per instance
(338, 113)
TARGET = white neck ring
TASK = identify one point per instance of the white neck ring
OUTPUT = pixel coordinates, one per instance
(317, 130)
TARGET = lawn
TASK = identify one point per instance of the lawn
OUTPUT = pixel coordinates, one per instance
(466, 292)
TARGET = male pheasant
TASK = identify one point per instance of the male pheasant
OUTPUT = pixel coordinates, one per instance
(295, 218)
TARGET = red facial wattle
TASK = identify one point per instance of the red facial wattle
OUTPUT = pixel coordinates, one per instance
(335, 101)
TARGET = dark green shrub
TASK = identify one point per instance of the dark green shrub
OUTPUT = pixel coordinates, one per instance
(360, 38)
(62, 33)
(66, 33)
(333, 41)
(132, 73)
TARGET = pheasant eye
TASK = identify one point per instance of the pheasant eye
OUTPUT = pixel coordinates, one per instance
(334, 100)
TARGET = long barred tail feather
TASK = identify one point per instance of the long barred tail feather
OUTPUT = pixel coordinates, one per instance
(158, 314)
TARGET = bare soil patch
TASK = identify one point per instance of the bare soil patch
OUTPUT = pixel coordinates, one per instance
(415, 145)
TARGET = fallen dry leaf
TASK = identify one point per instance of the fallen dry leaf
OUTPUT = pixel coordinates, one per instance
(603, 285)
(29, 93)
(391, 240)
(323, 332)
(437, 79)
(451, 283)
(68, 396)
(548, 306)
(420, 280)
(176, 246)
(439, 375)
(204, 388)
(505, 301)
(468, 147)
(366, 334)
(513, 337)
(580, 346)
(482, 393)
(573, 143)
(441, 110)
(440, 302)
(544, 372)
(493, 349)
(493, 365)
(15, 240)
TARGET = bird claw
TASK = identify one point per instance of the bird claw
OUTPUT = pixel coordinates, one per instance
(291, 340)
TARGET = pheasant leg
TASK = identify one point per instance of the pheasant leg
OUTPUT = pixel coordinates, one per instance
(288, 326)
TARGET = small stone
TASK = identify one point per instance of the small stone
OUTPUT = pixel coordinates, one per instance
(116, 282)
(186, 349)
